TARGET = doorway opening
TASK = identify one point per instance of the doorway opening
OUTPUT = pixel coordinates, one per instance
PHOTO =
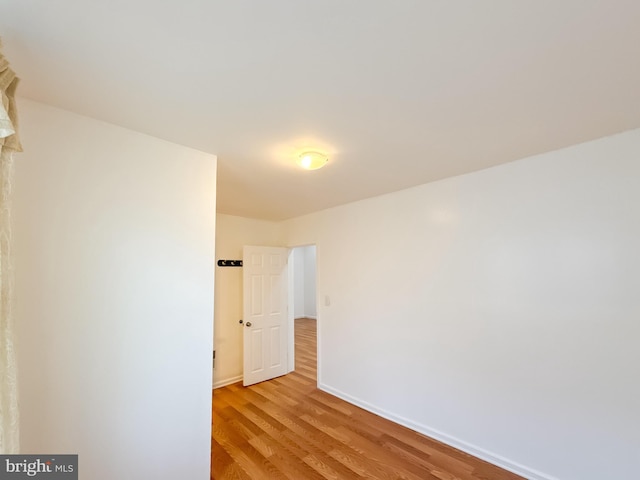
(303, 316)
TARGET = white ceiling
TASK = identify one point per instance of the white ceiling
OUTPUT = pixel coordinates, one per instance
(398, 92)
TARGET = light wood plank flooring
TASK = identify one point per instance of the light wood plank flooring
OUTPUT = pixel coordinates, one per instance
(288, 429)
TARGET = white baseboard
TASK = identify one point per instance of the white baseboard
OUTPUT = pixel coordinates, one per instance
(454, 442)
(313, 317)
(227, 381)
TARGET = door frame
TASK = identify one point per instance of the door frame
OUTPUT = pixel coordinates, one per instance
(291, 343)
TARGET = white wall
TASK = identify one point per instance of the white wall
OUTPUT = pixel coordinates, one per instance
(304, 281)
(232, 233)
(299, 304)
(310, 281)
(498, 311)
(115, 241)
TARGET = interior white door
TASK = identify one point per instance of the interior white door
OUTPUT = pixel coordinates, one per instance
(265, 296)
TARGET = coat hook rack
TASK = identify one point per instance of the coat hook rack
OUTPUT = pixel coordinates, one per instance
(229, 263)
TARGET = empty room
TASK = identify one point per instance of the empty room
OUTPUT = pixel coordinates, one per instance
(320, 240)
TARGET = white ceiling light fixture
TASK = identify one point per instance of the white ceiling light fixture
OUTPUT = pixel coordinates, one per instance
(312, 160)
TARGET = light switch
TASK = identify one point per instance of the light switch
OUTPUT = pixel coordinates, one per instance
(327, 301)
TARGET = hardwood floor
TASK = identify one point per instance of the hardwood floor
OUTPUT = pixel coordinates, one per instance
(286, 428)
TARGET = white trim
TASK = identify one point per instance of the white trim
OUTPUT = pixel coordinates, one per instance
(291, 339)
(312, 317)
(227, 381)
(454, 442)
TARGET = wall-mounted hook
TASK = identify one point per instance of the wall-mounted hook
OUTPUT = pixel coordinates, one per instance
(229, 263)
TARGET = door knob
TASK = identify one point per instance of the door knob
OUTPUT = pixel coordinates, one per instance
(248, 324)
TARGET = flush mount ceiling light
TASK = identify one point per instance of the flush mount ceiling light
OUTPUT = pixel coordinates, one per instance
(312, 160)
